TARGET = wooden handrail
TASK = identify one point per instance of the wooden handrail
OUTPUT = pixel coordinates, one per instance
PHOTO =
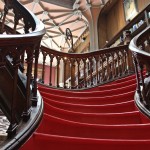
(140, 47)
(15, 45)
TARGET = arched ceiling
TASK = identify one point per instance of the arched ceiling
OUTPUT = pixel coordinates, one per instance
(57, 15)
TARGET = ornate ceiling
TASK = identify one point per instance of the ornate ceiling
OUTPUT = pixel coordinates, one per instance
(58, 15)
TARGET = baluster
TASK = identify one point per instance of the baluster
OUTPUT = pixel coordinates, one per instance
(84, 71)
(72, 73)
(142, 80)
(138, 89)
(108, 66)
(113, 66)
(78, 78)
(36, 55)
(13, 122)
(65, 63)
(125, 62)
(97, 59)
(91, 71)
(58, 63)
(121, 63)
(127, 40)
(50, 68)
(43, 68)
(27, 111)
(21, 67)
(102, 70)
(117, 65)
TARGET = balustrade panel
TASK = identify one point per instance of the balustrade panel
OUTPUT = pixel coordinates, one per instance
(88, 69)
(13, 46)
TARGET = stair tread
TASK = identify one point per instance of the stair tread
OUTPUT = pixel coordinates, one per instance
(55, 125)
(95, 93)
(95, 118)
(108, 108)
(91, 100)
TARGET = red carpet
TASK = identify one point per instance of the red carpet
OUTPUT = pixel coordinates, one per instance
(101, 118)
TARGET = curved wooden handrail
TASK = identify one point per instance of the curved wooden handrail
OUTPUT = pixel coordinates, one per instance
(83, 55)
(139, 40)
(18, 104)
(36, 25)
(140, 47)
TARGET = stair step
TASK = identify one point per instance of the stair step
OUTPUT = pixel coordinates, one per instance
(112, 85)
(57, 142)
(91, 100)
(109, 108)
(95, 118)
(58, 126)
(109, 92)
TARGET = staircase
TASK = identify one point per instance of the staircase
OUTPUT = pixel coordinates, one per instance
(103, 117)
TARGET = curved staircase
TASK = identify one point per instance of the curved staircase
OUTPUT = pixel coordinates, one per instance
(103, 117)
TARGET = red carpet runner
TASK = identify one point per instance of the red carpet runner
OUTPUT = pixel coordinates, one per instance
(102, 118)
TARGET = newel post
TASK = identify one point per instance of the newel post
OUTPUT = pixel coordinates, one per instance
(43, 68)
(27, 110)
(127, 39)
(72, 73)
(13, 122)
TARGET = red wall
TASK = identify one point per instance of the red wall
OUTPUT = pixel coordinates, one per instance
(47, 74)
